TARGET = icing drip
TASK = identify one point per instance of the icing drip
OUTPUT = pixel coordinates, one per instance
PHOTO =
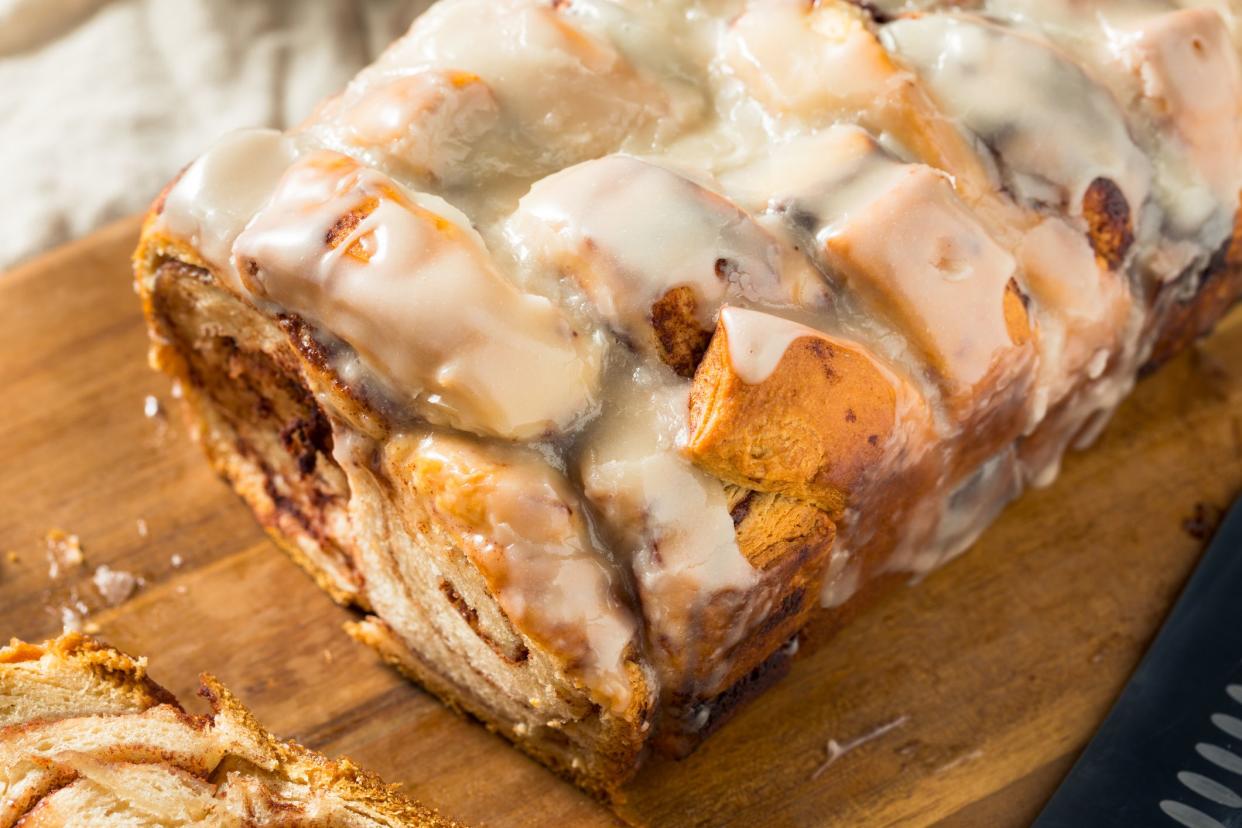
(219, 193)
(489, 224)
(758, 341)
(530, 540)
(409, 285)
(1008, 89)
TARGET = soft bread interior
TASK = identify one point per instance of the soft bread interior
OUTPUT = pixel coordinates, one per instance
(142, 761)
(368, 538)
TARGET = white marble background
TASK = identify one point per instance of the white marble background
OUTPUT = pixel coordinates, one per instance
(102, 101)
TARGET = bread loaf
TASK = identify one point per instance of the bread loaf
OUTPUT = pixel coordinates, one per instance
(589, 347)
(86, 738)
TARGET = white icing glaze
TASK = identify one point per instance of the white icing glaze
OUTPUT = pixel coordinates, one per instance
(757, 341)
(217, 194)
(1082, 308)
(1189, 77)
(413, 290)
(1010, 89)
(785, 51)
(749, 119)
(673, 517)
(1180, 100)
(960, 515)
(819, 174)
(530, 539)
(669, 521)
(919, 255)
(566, 90)
(427, 125)
(840, 587)
(628, 231)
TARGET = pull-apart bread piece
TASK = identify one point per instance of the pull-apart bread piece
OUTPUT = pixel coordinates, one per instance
(86, 738)
(588, 347)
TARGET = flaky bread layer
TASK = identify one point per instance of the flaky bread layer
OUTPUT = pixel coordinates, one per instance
(72, 675)
(127, 754)
(367, 539)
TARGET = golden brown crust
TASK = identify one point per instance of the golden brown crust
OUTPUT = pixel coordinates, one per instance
(1182, 320)
(680, 338)
(811, 430)
(340, 776)
(261, 754)
(379, 636)
(789, 542)
(80, 653)
(770, 527)
(1109, 227)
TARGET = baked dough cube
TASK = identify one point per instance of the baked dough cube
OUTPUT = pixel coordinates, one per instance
(346, 248)
(807, 58)
(1190, 79)
(567, 86)
(916, 254)
(427, 125)
(822, 63)
(780, 407)
(655, 254)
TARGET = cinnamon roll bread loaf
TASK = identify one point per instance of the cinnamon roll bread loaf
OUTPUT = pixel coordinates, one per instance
(86, 738)
(588, 347)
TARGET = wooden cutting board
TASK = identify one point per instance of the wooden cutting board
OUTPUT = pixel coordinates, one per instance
(978, 687)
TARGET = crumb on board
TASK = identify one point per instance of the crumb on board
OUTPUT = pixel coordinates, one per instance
(151, 406)
(176, 561)
(181, 589)
(143, 531)
(73, 615)
(114, 585)
(64, 552)
(70, 621)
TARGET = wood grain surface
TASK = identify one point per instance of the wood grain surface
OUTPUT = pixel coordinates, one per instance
(979, 685)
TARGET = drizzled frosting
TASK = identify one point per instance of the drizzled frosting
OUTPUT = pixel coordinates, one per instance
(487, 217)
(221, 191)
(1052, 127)
(627, 232)
(347, 248)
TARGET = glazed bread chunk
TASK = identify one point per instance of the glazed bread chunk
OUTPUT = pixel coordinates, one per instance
(782, 407)
(655, 255)
(86, 738)
(591, 348)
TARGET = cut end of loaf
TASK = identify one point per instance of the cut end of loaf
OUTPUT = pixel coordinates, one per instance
(247, 382)
(87, 739)
(505, 361)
